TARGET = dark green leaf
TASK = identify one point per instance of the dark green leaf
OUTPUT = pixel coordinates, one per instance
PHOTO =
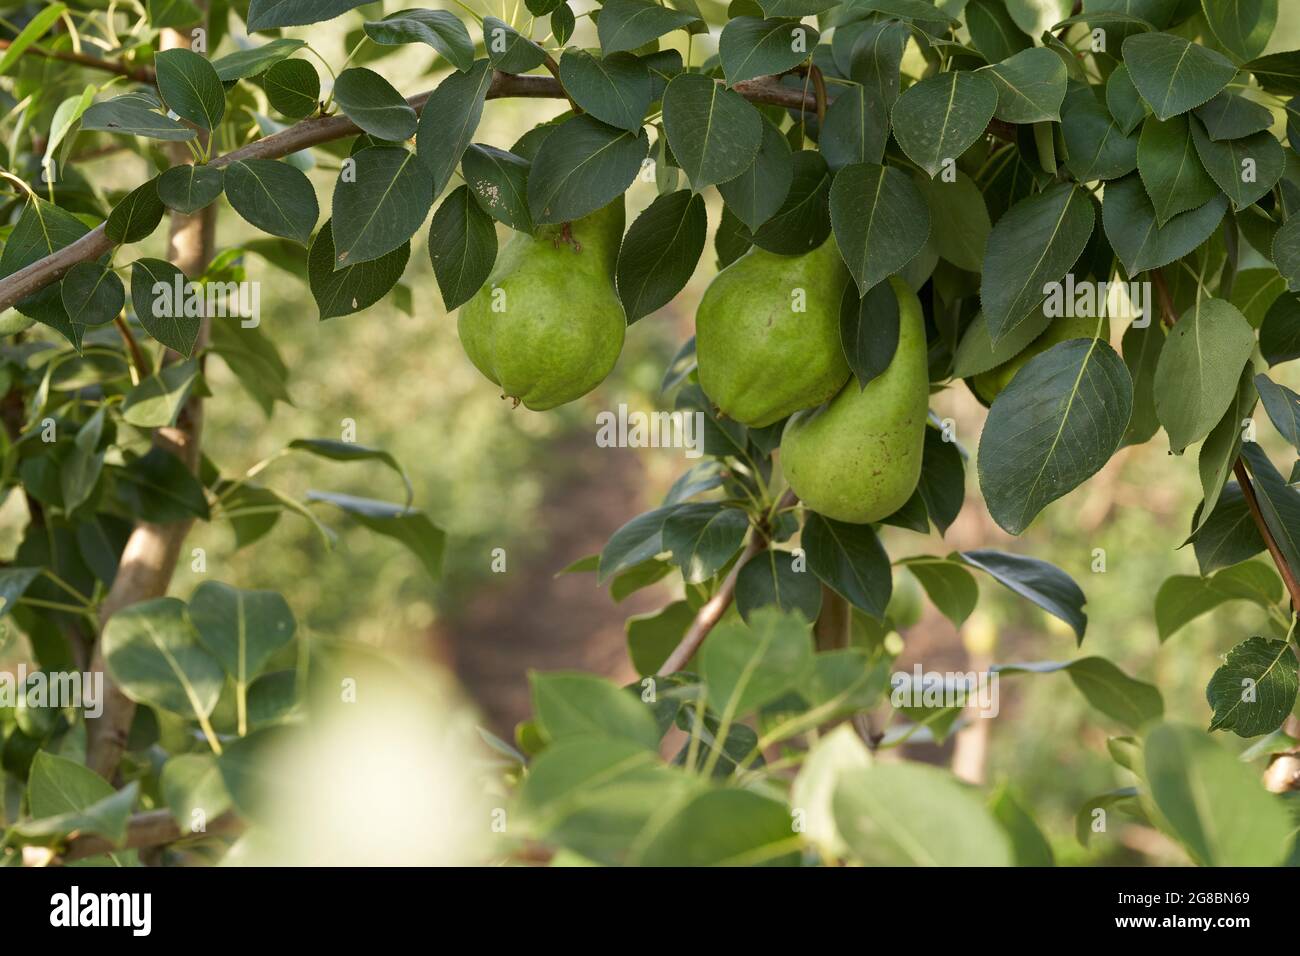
(803, 222)
(268, 14)
(615, 89)
(880, 221)
(751, 47)
(190, 87)
(293, 88)
(756, 195)
(714, 133)
(154, 287)
(1241, 27)
(1044, 584)
(407, 525)
(1255, 689)
(275, 197)
(500, 182)
(92, 295)
(1246, 169)
(939, 118)
(584, 164)
(462, 247)
(703, 537)
(1231, 116)
(448, 121)
(378, 210)
(436, 28)
(1096, 147)
(849, 560)
(771, 578)
(869, 330)
(152, 650)
(352, 288)
(242, 64)
(629, 24)
(157, 401)
(1107, 688)
(660, 252)
(1031, 86)
(370, 101)
(1175, 75)
(136, 216)
(1173, 176)
(1139, 240)
(242, 629)
(187, 189)
(134, 115)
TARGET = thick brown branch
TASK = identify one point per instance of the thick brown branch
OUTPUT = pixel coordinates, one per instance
(154, 828)
(323, 129)
(709, 615)
(141, 74)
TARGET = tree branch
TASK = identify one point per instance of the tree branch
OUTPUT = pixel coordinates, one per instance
(141, 74)
(1169, 317)
(709, 615)
(153, 828)
(323, 129)
(149, 558)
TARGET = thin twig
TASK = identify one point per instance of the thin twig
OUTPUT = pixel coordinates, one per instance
(152, 828)
(141, 74)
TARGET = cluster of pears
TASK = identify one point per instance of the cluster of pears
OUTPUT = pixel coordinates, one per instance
(547, 326)
(851, 454)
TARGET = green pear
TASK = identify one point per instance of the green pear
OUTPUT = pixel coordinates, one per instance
(858, 458)
(767, 334)
(547, 326)
(989, 385)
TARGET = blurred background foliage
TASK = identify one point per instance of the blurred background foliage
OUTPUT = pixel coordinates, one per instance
(536, 485)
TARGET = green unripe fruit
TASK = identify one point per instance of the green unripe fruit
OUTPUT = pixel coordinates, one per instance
(547, 326)
(759, 358)
(989, 385)
(858, 458)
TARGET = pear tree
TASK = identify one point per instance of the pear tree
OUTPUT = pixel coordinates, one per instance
(1079, 212)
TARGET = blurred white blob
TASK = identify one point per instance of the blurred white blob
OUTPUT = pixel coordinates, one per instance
(396, 778)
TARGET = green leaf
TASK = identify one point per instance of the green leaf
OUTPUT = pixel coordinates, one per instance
(1106, 687)
(354, 287)
(652, 637)
(439, 29)
(157, 401)
(757, 194)
(853, 131)
(275, 197)
(500, 183)
(869, 328)
(158, 487)
(750, 46)
(82, 468)
(629, 24)
(187, 189)
(153, 653)
(1279, 335)
(1124, 102)
(372, 103)
(57, 785)
(462, 247)
(1210, 801)
(950, 586)
(1171, 172)
(13, 584)
(157, 306)
(939, 118)
(42, 229)
(108, 817)
(190, 87)
(583, 164)
(1245, 169)
(1255, 689)
(725, 828)
(849, 560)
(1277, 72)
(1283, 407)
(1139, 240)
(1199, 367)
(959, 219)
(29, 34)
(1029, 846)
(1053, 427)
(1286, 256)
(1230, 116)
(254, 360)
(242, 64)
(1096, 146)
(908, 814)
(1278, 501)
(562, 23)
(1241, 27)
(268, 14)
(1044, 584)
(747, 666)
(638, 540)
(134, 114)
(1175, 75)
(880, 221)
(943, 479)
(1031, 86)
(91, 294)
(242, 629)
(714, 132)
(703, 537)
(1221, 447)
(192, 782)
(828, 759)
(136, 216)
(660, 252)
(803, 221)
(336, 450)
(508, 50)
(378, 210)
(1054, 227)
(770, 578)
(573, 705)
(1229, 535)
(407, 525)
(615, 89)
(293, 88)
